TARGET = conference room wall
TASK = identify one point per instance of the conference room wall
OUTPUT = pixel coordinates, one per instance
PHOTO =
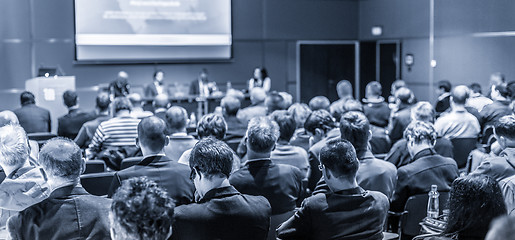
(461, 56)
(265, 33)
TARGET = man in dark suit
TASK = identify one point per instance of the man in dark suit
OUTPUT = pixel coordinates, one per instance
(180, 141)
(161, 104)
(69, 212)
(70, 124)
(281, 184)
(401, 116)
(444, 97)
(202, 86)
(32, 118)
(172, 176)
(220, 211)
(157, 86)
(347, 211)
(235, 128)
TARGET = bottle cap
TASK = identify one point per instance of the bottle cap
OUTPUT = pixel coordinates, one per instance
(434, 187)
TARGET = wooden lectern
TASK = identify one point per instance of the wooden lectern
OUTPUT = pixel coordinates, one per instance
(49, 94)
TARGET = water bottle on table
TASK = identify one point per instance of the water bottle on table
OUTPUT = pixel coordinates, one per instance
(433, 208)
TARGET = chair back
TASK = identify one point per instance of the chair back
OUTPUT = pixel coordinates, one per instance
(233, 143)
(41, 137)
(97, 183)
(462, 148)
(95, 166)
(129, 162)
(416, 209)
(276, 220)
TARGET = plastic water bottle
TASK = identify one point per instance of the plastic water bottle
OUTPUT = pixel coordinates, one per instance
(433, 205)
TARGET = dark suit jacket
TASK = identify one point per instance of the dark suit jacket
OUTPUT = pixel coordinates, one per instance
(347, 214)
(69, 213)
(223, 213)
(442, 105)
(33, 118)
(492, 112)
(151, 91)
(399, 154)
(378, 113)
(172, 176)
(235, 128)
(279, 183)
(428, 168)
(195, 87)
(400, 120)
(70, 124)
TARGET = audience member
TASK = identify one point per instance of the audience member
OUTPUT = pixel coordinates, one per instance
(220, 211)
(399, 154)
(502, 228)
(319, 102)
(177, 121)
(260, 79)
(274, 101)
(444, 97)
(235, 128)
(350, 105)
(473, 203)
(347, 211)
(69, 125)
(396, 85)
(257, 107)
(375, 108)
(401, 116)
(458, 123)
(137, 107)
(69, 212)
(427, 168)
(288, 99)
(211, 125)
(476, 99)
(502, 166)
(496, 79)
(300, 112)
(322, 128)
(344, 90)
(25, 184)
(141, 210)
(87, 131)
(31, 117)
(202, 86)
(115, 135)
(9, 118)
(157, 86)
(499, 108)
(284, 152)
(168, 174)
(161, 104)
(120, 86)
(280, 184)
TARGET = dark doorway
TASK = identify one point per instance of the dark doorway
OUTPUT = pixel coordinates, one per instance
(388, 68)
(321, 65)
(367, 65)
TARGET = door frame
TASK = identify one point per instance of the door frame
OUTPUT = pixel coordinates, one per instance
(328, 42)
(378, 58)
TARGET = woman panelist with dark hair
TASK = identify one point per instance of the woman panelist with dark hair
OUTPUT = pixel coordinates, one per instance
(260, 79)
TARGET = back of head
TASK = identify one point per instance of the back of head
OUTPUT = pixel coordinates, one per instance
(423, 111)
(460, 94)
(396, 85)
(257, 95)
(319, 102)
(212, 157)
(286, 124)
(497, 79)
(274, 101)
(320, 119)
(61, 158)
(235, 94)
(7, 117)
(502, 228)
(27, 98)
(475, 200)
(475, 88)
(420, 132)
(161, 101)
(141, 210)
(212, 125)
(288, 99)
(403, 94)
(299, 112)
(352, 105)
(355, 128)
(103, 101)
(505, 127)
(14, 148)
(122, 103)
(262, 134)
(135, 99)
(230, 105)
(445, 85)
(70, 98)
(176, 118)
(339, 157)
(374, 89)
(151, 133)
(503, 90)
(344, 89)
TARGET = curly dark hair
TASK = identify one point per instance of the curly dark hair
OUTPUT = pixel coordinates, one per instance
(142, 209)
(475, 200)
(212, 125)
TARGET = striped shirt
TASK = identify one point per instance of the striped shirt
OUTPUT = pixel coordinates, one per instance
(115, 132)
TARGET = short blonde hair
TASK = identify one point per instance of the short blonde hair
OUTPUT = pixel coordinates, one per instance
(14, 149)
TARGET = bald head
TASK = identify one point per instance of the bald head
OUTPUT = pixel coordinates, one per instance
(123, 75)
(161, 101)
(257, 95)
(230, 105)
(61, 158)
(135, 99)
(151, 134)
(8, 117)
(460, 94)
(177, 119)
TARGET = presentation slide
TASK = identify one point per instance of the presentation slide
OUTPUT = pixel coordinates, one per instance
(152, 30)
